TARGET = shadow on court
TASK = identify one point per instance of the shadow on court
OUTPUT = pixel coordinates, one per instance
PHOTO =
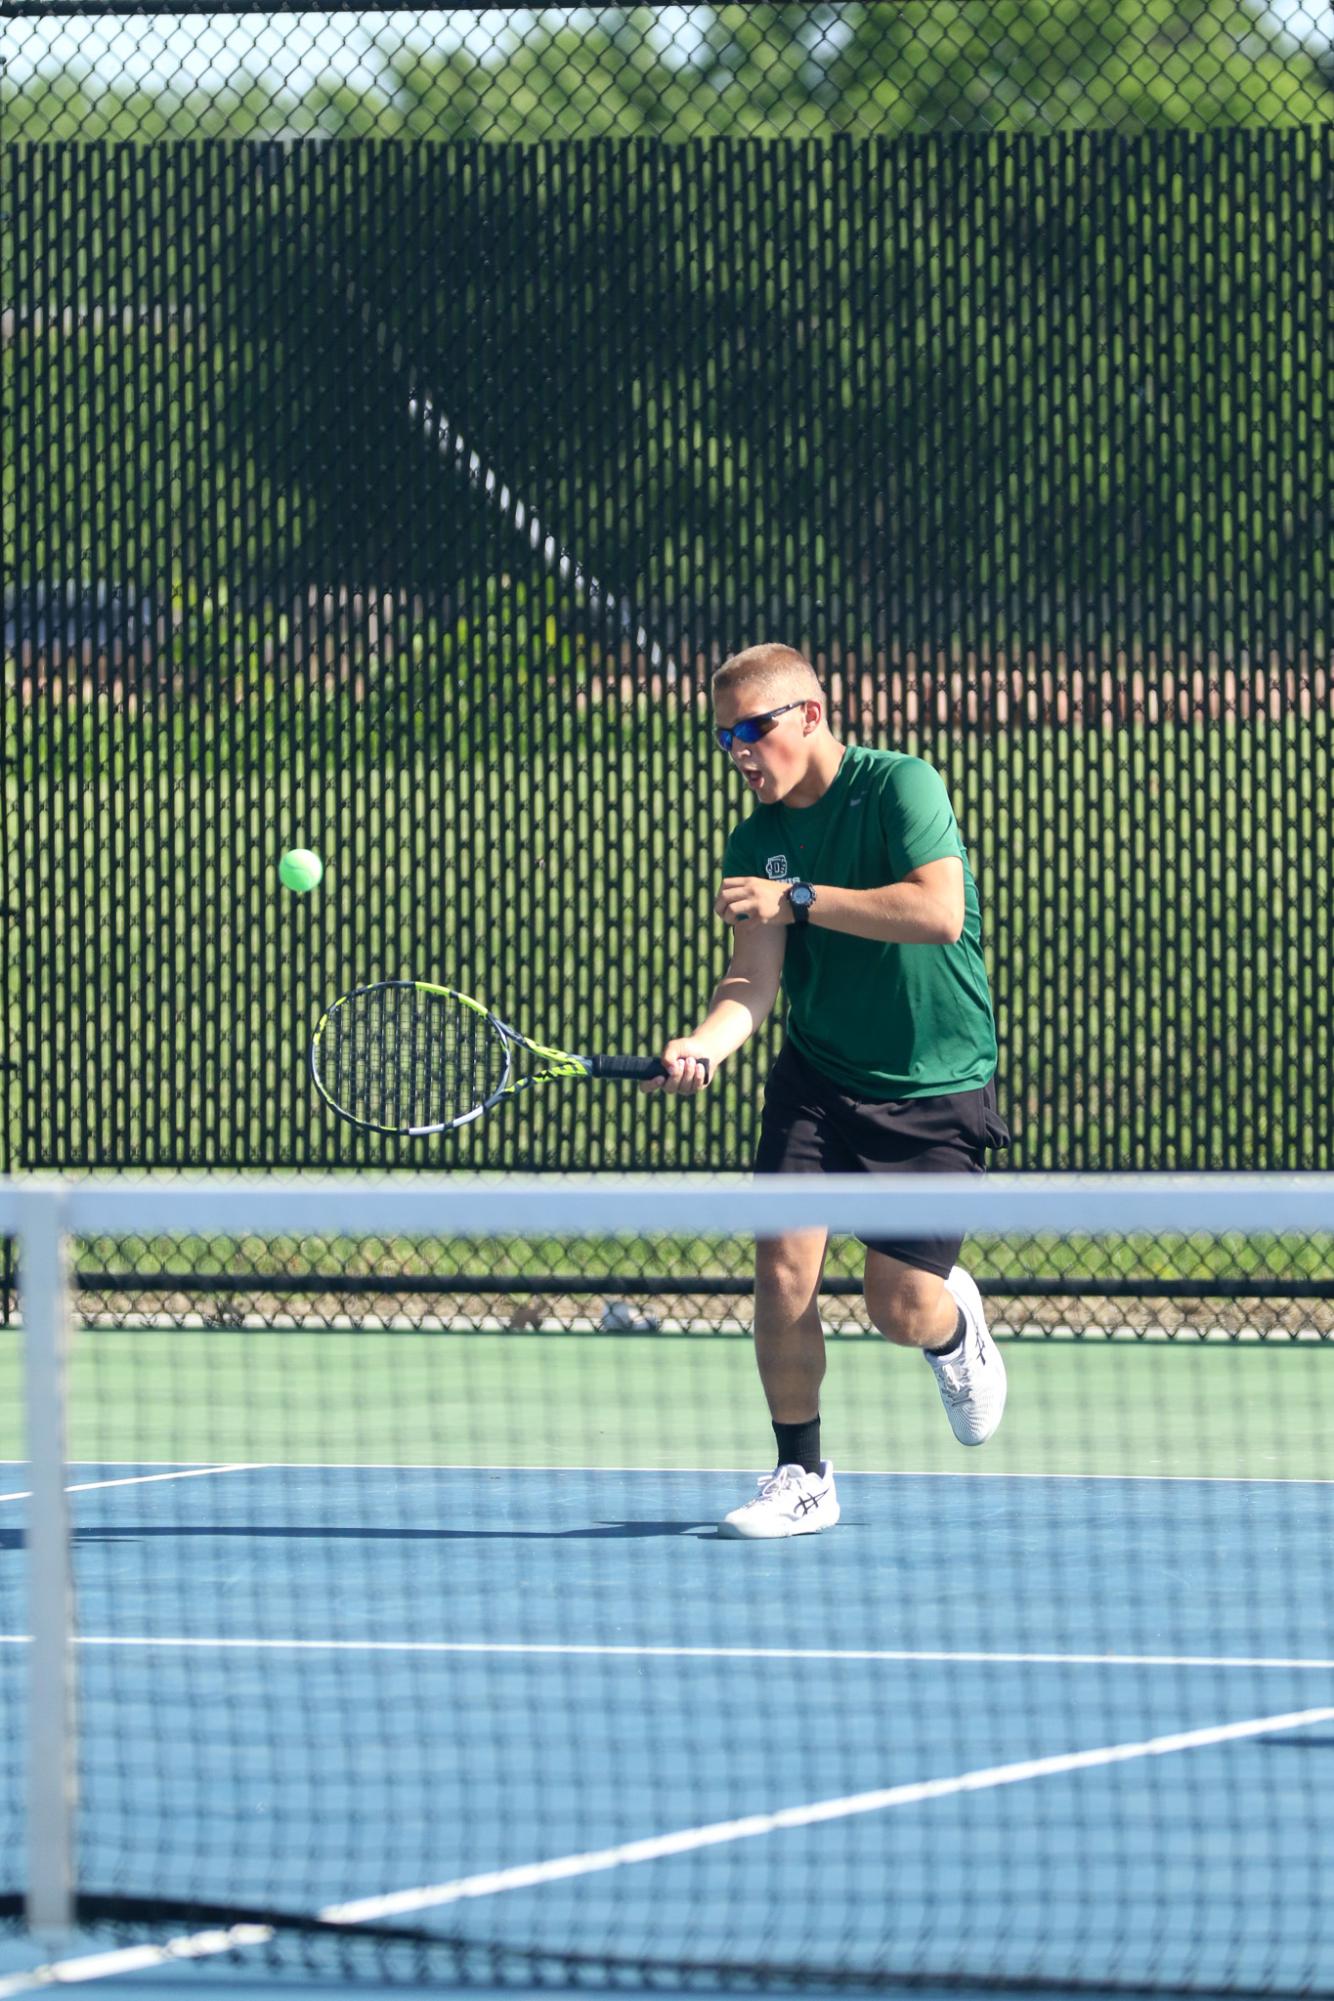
(594, 1531)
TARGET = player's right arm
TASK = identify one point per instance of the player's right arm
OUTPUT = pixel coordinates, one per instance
(742, 1000)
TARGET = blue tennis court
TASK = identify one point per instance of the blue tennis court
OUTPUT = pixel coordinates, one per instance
(466, 1700)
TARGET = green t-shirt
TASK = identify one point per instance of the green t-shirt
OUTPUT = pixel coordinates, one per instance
(883, 1021)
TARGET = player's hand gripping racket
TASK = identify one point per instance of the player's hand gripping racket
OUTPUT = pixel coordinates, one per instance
(407, 1057)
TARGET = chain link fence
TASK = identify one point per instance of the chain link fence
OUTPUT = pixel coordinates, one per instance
(405, 412)
(807, 71)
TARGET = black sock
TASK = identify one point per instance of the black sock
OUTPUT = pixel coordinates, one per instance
(956, 1338)
(799, 1444)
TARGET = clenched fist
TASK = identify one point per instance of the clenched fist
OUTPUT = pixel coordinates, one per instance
(688, 1068)
(753, 899)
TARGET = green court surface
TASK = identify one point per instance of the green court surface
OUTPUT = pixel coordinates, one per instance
(1098, 1407)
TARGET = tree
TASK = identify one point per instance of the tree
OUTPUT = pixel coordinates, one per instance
(764, 71)
(1042, 65)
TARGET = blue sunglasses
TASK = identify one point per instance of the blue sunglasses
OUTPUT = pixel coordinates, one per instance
(752, 728)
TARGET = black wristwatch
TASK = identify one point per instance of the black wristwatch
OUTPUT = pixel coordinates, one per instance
(801, 896)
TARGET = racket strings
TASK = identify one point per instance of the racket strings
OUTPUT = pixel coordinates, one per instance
(402, 1057)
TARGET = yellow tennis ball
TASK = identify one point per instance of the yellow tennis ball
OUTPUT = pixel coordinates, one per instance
(299, 869)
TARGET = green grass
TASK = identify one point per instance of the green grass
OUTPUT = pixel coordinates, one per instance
(1181, 1409)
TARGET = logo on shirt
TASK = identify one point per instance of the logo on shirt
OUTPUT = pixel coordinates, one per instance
(776, 868)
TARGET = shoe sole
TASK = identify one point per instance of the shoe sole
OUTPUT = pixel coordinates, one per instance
(733, 1532)
(964, 1282)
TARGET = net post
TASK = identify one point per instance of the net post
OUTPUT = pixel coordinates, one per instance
(45, 1304)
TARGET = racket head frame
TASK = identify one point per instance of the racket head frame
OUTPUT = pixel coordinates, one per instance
(558, 1062)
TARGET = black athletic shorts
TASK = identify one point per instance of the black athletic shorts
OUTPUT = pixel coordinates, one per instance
(811, 1125)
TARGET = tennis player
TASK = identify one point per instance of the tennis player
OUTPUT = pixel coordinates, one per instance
(848, 886)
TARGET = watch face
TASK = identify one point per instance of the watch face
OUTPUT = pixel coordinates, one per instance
(801, 895)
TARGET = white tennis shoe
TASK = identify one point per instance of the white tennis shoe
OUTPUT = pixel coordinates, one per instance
(790, 1502)
(971, 1381)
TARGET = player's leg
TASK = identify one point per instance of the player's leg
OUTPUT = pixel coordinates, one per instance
(789, 1337)
(917, 1293)
(908, 1305)
(943, 1317)
(799, 1497)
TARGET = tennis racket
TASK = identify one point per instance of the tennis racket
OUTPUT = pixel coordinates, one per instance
(404, 1056)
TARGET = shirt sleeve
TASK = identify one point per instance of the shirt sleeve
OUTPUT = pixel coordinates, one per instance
(917, 816)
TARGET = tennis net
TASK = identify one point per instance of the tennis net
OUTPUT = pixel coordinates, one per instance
(415, 1651)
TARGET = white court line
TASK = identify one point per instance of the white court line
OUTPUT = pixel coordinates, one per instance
(525, 1649)
(741, 1472)
(134, 1959)
(142, 1479)
(563, 1868)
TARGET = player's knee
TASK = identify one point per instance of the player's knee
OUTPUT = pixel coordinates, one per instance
(786, 1275)
(894, 1317)
(903, 1312)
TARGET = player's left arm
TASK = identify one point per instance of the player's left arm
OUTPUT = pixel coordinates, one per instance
(924, 907)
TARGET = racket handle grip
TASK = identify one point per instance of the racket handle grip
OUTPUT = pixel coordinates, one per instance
(641, 1067)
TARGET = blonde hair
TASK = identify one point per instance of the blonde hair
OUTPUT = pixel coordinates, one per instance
(780, 670)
